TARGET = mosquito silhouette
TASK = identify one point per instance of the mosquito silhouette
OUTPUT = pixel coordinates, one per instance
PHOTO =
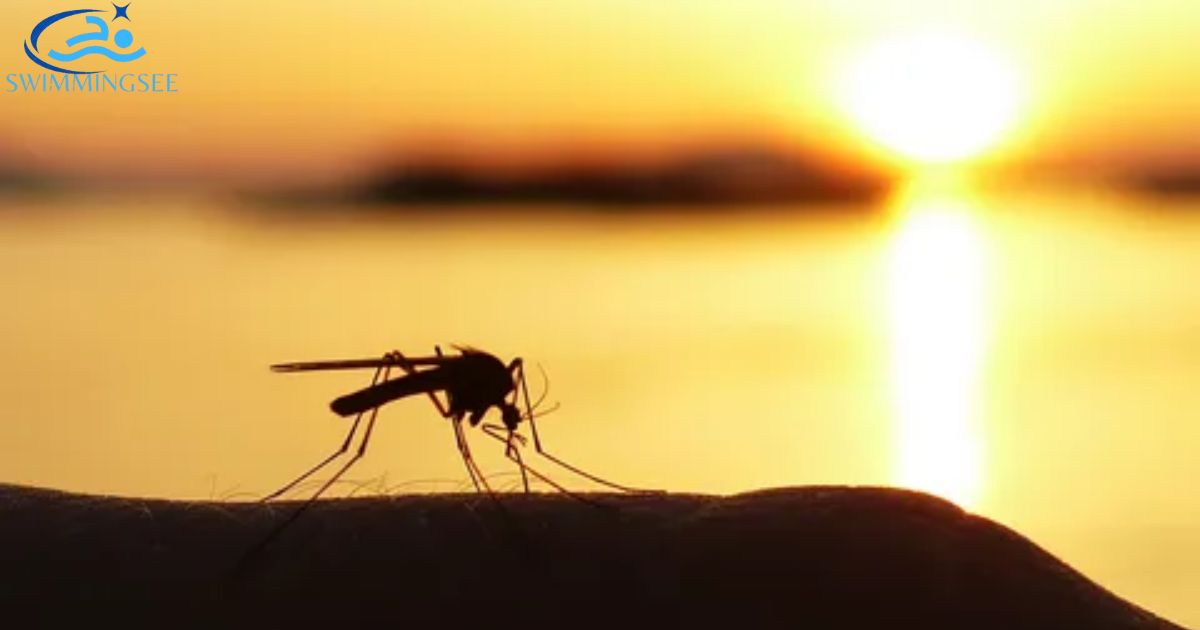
(472, 382)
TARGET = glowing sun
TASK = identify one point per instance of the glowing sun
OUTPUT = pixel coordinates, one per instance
(931, 97)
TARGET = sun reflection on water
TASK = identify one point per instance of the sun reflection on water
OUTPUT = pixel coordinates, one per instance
(936, 284)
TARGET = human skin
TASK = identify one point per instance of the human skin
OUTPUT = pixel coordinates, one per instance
(819, 557)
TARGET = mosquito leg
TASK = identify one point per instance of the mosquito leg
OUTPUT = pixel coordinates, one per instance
(470, 460)
(460, 440)
(511, 451)
(362, 449)
(325, 462)
(537, 445)
(516, 458)
(458, 443)
(583, 473)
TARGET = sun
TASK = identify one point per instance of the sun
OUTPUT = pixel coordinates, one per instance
(931, 97)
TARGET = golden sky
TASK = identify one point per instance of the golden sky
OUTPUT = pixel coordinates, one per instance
(301, 86)
(964, 349)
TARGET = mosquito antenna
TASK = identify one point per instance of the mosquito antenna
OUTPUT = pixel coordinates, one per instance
(532, 409)
(545, 412)
(545, 386)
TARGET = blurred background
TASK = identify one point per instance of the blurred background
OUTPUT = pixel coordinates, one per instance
(950, 246)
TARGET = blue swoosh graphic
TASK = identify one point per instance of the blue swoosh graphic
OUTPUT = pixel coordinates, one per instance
(97, 50)
(37, 33)
(101, 35)
(47, 66)
(48, 22)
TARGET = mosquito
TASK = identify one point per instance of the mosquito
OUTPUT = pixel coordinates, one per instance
(472, 382)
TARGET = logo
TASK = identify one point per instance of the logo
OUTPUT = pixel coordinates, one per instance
(80, 47)
(123, 39)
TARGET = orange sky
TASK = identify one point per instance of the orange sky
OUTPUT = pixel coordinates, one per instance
(1063, 318)
(310, 87)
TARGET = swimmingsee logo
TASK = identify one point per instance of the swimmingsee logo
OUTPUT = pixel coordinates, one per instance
(82, 50)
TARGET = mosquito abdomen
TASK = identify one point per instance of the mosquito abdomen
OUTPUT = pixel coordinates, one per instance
(387, 391)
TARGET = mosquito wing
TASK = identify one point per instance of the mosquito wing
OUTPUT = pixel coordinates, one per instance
(357, 364)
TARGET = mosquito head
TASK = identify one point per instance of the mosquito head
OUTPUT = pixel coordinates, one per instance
(511, 416)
